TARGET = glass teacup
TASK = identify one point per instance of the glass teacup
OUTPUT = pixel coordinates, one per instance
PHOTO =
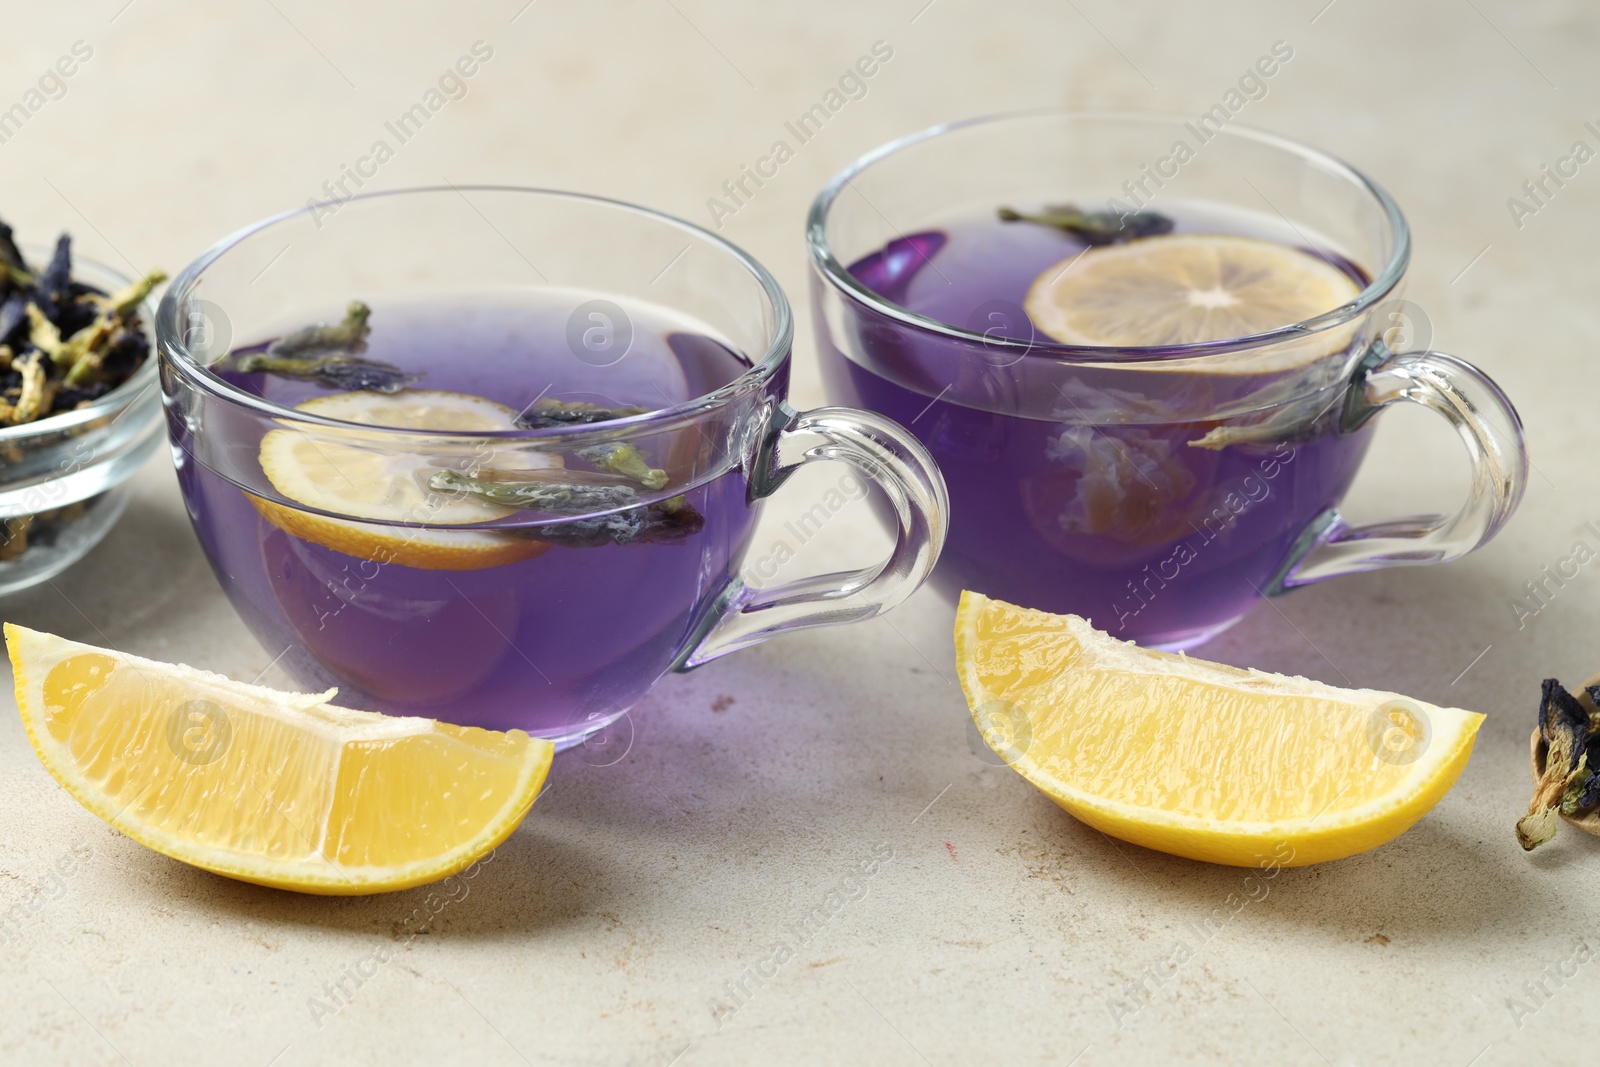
(494, 455)
(1159, 490)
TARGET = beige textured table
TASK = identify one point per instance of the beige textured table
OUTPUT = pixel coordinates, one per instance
(619, 923)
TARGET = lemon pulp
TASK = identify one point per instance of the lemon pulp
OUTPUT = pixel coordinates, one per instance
(282, 789)
(1183, 289)
(1196, 758)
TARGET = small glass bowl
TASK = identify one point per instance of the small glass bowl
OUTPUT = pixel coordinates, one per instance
(68, 471)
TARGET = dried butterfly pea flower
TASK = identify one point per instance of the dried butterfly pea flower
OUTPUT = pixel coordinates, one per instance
(349, 335)
(616, 528)
(125, 354)
(1094, 227)
(69, 397)
(84, 353)
(36, 389)
(12, 266)
(13, 313)
(63, 342)
(551, 476)
(84, 350)
(55, 284)
(670, 521)
(559, 498)
(80, 356)
(43, 334)
(350, 373)
(625, 522)
(326, 355)
(624, 459)
(121, 303)
(647, 524)
(1566, 751)
(369, 375)
(544, 414)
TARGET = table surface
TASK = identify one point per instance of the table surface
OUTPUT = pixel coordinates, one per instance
(617, 924)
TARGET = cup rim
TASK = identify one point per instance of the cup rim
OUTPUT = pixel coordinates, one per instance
(838, 275)
(117, 400)
(172, 352)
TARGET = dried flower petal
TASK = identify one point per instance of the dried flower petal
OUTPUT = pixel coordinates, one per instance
(648, 524)
(347, 336)
(671, 521)
(35, 396)
(556, 498)
(625, 521)
(13, 267)
(1566, 730)
(42, 333)
(625, 459)
(350, 373)
(13, 313)
(122, 303)
(1094, 227)
(544, 414)
(55, 284)
(84, 350)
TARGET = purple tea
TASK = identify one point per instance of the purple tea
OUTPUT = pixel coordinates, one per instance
(554, 643)
(1159, 503)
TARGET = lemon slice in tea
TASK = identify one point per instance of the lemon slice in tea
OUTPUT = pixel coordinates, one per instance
(1182, 289)
(368, 476)
(1200, 759)
(281, 789)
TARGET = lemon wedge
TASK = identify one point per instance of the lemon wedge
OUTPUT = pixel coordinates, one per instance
(1182, 289)
(280, 789)
(1200, 759)
(363, 475)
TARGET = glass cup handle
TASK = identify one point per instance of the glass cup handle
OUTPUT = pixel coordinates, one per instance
(897, 463)
(1488, 425)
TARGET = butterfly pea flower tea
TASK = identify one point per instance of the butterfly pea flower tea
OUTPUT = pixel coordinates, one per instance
(500, 494)
(1147, 415)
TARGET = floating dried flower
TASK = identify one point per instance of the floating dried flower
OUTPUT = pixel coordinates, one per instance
(619, 458)
(348, 336)
(334, 372)
(1094, 227)
(624, 521)
(328, 355)
(557, 498)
